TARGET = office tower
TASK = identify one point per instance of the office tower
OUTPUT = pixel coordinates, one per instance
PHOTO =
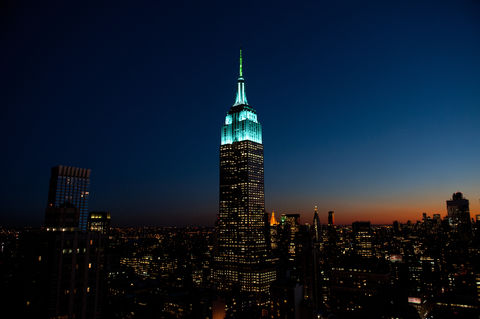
(274, 235)
(331, 218)
(242, 253)
(274, 232)
(291, 229)
(458, 214)
(331, 233)
(62, 265)
(69, 188)
(99, 221)
(62, 272)
(316, 250)
(363, 239)
(316, 225)
(396, 227)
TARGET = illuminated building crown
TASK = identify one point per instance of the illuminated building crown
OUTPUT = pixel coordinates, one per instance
(273, 221)
(241, 123)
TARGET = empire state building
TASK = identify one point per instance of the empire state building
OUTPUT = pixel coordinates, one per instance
(242, 254)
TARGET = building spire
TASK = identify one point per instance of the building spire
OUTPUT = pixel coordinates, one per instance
(273, 221)
(241, 73)
(241, 98)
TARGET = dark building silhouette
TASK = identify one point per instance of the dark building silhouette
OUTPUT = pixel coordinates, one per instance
(316, 225)
(458, 214)
(287, 299)
(61, 266)
(288, 251)
(61, 273)
(69, 187)
(66, 217)
(359, 288)
(331, 218)
(274, 232)
(396, 227)
(242, 252)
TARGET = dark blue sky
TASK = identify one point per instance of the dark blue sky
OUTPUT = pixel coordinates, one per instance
(369, 108)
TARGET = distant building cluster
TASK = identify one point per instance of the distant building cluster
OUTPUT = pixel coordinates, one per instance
(251, 264)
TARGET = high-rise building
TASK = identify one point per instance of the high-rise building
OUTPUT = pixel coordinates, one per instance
(63, 263)
(242, 253)
(69, 188)
(274, 235)
(62, 272)
(99, 221)
(362, 233)
(331, 218)
(316, 249)
(291, 228)
(458, 214)
(316, 225)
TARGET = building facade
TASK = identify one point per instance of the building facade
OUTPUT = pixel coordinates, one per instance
(458, 214)
(242, 260)
(62, 274)
(362, 233)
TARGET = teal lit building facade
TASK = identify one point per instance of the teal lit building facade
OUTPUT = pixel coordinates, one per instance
(241, 122)
(242, 258)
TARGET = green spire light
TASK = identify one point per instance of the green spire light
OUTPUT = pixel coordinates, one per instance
(241, 98)
(241, 73)
(241, 123)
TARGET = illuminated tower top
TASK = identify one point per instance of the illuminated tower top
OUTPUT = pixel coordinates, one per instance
(241, 98)
(241, 123)
(273, 221)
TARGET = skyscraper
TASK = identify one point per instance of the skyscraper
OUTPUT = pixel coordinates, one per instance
(274, 232)
(63, 262)
(316, 225)
(69, 188)
(458, 214)
(64, 272)
(331, 218)
(242, 253)
(362, 233)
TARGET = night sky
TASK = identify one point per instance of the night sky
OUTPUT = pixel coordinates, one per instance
(368, 108)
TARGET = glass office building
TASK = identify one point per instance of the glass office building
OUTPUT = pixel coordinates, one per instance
(69, 188)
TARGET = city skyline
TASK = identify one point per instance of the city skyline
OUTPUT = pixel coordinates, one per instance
(358, 124)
